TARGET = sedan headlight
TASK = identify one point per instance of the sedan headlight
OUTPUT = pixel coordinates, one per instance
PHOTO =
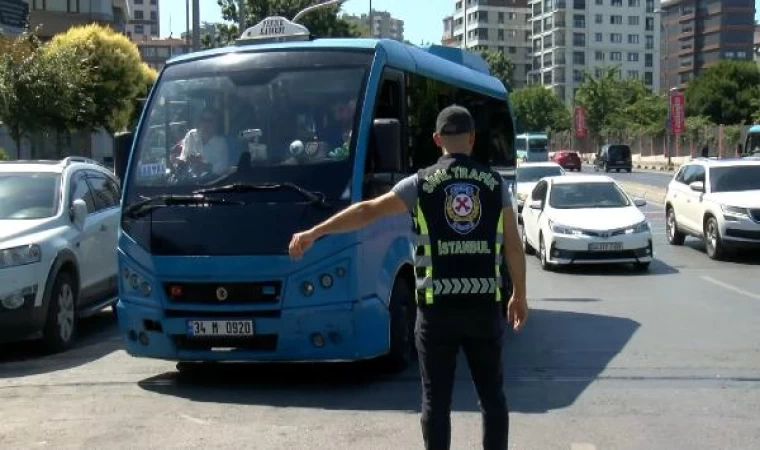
(735, 211)
(562, 229)
(19, 256)
(641, 227)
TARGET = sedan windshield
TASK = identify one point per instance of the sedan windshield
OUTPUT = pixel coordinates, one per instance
(526, 174)
(735, 179)
(28, 195)
(587, 195)
(252, 118)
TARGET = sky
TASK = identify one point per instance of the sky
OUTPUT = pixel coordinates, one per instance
(422, 18)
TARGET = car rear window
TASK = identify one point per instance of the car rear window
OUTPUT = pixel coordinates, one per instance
(619, 152)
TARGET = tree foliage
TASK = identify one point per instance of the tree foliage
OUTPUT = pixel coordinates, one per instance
(614, 105)
(42, 90)
(726, 93)
(118, 75)
(322, 23)
(538, 108)
(501, 66)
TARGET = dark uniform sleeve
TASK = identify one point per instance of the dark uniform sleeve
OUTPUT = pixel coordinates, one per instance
(506, 199)
(407, 190)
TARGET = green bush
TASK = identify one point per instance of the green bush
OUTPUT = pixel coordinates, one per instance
(3, 154)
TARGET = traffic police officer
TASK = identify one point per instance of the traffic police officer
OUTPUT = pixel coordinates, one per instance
(464, 223)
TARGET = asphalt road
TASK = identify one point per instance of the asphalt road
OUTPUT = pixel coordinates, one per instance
(651, 178)
(610, 359)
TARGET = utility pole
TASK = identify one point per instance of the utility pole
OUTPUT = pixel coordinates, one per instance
(187, 22)
(196, 25)
(464, 20)
(371, 22)
(241, 16)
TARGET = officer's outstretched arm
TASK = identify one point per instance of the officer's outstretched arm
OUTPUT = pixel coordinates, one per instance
(352, 218)
(513, 253)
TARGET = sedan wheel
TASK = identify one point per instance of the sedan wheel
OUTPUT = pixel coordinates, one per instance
(61, 324)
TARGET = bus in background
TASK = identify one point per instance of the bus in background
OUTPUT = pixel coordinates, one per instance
(752, 142)
(532, 147)
(295, 130)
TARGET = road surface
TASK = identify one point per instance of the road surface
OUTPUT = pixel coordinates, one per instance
(650, 178)
(610, 359)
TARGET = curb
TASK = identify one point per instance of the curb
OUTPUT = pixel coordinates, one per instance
(649, 193)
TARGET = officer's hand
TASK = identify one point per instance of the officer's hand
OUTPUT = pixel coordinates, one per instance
(517, 312)
(299, 244)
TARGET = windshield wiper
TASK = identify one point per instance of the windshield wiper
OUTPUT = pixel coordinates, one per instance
(313, 197)
(148, 204)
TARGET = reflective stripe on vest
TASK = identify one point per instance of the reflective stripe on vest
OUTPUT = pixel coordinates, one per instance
(499, 257)
(425, 260)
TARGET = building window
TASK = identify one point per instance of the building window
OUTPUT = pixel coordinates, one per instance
(511, 16)
(139, 29)
(600, 2)
(548, 77)
(598, 73)
(649, 42)
(153, 16)
(501, 17)
(548, 24)
(633, 38)
(616, 56)
(648, 60)
(500, 35)
(579, 4)
(154, 30)
(741, 55)
(634, 3)
(649, 24)
(579, 39)
(598, 18)
(633, 74)
(633, 57)
(138, 2)
(598, 37)
(616, 38)
(617, 3)
(56, 5)
(633, 21)
(513, 50)
(579, 21)
(650, 6)
(648, 78)
(728, 55)
(599, 56)
(616, 20)
(579, 58)
(139, 15)
(578, 76)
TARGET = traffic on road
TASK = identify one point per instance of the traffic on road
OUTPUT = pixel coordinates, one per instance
(156, 305)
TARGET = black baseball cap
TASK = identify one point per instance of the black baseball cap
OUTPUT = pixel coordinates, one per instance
(454, 120)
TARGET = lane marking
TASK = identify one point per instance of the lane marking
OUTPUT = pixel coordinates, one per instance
(730, 287)
(582, 446)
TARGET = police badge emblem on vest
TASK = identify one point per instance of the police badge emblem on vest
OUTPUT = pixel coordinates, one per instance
(463, 207)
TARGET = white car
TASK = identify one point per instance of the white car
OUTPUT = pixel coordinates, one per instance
(528, 175)
(717, 201)
(58, 229)
(585, 219)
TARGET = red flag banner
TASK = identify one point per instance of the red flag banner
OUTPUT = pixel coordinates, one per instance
(677, 121)
(580, 122)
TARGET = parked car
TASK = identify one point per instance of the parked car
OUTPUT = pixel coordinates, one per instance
(585, 219)
(614, 157)
(528, 175)
(717, 201)
(567, 159)
(58, 229)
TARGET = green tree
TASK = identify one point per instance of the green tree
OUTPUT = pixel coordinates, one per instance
(3, 154)
(117, 73)
(324, 22)
(538, 108)
(727, 92)
(501, 66)
(42, 90)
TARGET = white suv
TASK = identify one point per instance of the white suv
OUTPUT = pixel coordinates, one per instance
(58, 229)
(717, 201)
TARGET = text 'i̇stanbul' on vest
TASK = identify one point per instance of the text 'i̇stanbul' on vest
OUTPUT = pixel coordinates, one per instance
(463, 247)
(461, 173)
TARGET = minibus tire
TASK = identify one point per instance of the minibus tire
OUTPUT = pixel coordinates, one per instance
(402, 317)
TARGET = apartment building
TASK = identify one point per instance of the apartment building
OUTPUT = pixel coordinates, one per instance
(155, 52)
(57, 16)
(384, 26)
(13, 17)
(145, 20)
(574, 37)
(699, 33)
(497, 25)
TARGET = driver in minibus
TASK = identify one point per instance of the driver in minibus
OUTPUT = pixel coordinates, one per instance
(205, 146)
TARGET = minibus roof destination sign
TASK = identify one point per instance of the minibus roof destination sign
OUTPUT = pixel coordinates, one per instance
(275, 29)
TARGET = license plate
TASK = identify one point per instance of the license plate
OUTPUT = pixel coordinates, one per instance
(605, 247)
(220, 328)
